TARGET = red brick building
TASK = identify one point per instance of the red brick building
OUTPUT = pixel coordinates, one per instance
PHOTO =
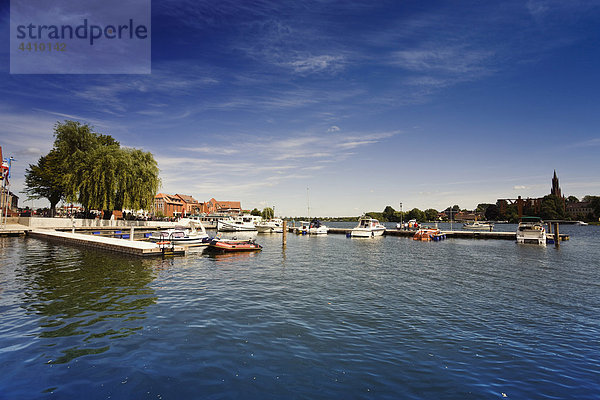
(182, 204)
(168, 205)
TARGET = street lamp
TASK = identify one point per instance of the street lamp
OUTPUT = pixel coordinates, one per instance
(401, 217)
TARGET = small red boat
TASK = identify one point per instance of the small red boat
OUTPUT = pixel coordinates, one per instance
(233, 245)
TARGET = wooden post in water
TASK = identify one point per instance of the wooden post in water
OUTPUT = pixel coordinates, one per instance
(556, 235)
(284, 238)
(131, 233)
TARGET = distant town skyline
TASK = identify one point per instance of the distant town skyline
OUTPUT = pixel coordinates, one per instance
(367, 104)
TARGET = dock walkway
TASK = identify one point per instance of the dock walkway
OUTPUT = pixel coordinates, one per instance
(14, 230)
(453, 234)
(136, 248)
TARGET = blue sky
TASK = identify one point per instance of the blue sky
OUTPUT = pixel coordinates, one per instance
(368, 104)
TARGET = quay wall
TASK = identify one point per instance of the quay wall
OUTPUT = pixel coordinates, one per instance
(53, 223)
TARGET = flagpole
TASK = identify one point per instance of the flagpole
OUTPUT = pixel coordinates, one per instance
(5, 197)
(6, 182)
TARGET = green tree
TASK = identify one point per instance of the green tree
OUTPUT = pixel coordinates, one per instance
(256, 212)
(96, 172)
(267, 213)
(553, 207)
(376, 215)
(572, 199)
(595, 203)
(417, 214)
(482, 207)
(44, 180)
(492, 213)
(389, 214)
(431, 214)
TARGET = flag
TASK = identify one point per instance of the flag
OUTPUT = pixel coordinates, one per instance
(4, 169)
(1, 165)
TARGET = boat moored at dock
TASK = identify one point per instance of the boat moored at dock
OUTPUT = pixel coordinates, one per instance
(531, 230)
(233, 245)
(368, 227)
(183, 235)
(270, 226)
(427, 234)
(479, 226)
(314, 227)
(238, 223)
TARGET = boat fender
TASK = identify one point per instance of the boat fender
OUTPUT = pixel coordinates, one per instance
(348, 235)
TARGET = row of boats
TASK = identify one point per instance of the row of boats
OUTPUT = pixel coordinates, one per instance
(367, 227)
(192, 232)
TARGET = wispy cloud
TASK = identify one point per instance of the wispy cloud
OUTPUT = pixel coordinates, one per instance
(454, 60)
(314, 64)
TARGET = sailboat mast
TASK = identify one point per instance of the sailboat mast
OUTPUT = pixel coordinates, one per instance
(308, 202)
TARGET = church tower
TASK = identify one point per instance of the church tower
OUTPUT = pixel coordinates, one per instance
(555, 187)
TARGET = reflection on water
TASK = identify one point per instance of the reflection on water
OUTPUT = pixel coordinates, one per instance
(80, 296)
(323, 318)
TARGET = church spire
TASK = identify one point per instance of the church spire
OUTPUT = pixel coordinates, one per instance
(555, 186)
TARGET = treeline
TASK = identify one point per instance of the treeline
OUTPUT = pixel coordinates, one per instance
(391, 215)
(551, 207)
(92, 169)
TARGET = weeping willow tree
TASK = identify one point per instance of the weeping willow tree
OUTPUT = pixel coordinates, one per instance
(95, 171)
(116, 178)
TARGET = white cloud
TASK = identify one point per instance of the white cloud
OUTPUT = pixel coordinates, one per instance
(313, 64)
(333, 128)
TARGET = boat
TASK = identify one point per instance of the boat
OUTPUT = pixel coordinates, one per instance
(426, 234)
(581, 223)
(182, 235)
(238, 223)
(479, 226)
(315, 227)
(233, 245)
(531, 230)
(367, 227)
(270, 226)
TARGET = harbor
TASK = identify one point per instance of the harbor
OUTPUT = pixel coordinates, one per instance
(123, 239)
(323, 200)
(460, 314)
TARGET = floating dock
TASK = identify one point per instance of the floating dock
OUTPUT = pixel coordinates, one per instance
(136, 248)
(14, 230)
(453, 234)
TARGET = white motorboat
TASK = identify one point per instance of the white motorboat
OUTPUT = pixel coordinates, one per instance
(183, 235)
(270, 226)
(581, 223)
(368, 227)
(238, 223)
(479, 226)
(314, 227)
(531, 230)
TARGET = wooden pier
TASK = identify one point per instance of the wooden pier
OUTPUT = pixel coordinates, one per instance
(136, 248)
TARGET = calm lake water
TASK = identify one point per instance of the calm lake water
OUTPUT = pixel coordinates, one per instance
(326, 318)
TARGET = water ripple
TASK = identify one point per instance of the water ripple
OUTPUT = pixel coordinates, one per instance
(324, 318)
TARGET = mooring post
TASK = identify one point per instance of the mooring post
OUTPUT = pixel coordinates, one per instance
(72, 224)
(556, 235)
(131, 233)
(284, 238)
